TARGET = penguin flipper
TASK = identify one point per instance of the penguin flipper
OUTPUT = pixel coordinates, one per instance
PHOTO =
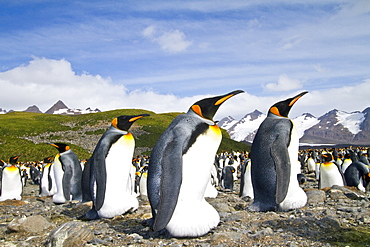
(100, 174)
(67, 176)
(171, 179)
(281, 159)
(50, 180)
(1, 180)
(85, 183)
(242, 172)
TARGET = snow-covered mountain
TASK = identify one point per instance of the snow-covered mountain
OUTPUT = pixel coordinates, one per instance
(2, 111)
(335, 127)
(60, 108)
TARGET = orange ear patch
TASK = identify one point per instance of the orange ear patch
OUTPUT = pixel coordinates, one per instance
(114, 122)
(197, 110)
(275, 111)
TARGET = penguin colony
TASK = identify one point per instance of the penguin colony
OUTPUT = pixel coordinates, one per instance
(184, 169)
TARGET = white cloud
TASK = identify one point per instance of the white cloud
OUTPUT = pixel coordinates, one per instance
(284, 84)
(173, 41)
(44, 81)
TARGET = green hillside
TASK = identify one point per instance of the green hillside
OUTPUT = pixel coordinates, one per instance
(26, 134)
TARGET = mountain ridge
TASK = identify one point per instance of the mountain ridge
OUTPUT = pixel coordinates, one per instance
(58, 108)
(334, 127)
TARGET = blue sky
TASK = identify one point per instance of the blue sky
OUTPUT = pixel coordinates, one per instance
(165, 55)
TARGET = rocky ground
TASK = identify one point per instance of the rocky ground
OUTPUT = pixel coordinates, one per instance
(337, 216)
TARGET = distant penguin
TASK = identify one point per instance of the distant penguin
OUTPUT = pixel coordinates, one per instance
(363, 158)
(246, 187)
(347, 161)
(227, 178)
(301, 178)
(274, 155)
(357, 175)
(107, 177)
(67, 173)
(311, 164)
(11, 186)
(211, 191)
(47, 182)
(180, 169)
(330, 173)
(143, 182)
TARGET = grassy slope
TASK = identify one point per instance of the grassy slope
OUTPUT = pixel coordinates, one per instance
(17, 124)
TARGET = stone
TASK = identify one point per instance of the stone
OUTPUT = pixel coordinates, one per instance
(30, 224)
(315, 196)
(336, 194)
(70, 234)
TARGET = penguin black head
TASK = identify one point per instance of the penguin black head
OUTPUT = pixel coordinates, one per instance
(208, 107)
(60, 146)
(282, 108)
(2, 163)
(48, 159)
(327, 157)
(13, 160)
(301, 178)
(124, 122)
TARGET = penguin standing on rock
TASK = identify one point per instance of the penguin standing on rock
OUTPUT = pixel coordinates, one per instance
(358, 175)
(274, 156)
(180, 169)
(330, 173)
(246, 187)
(67, 173)
(11, 186)
(227, 178)
(107, 178)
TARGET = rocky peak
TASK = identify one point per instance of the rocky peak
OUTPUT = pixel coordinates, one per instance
(33, 109)
(254, 115)
(56, 107)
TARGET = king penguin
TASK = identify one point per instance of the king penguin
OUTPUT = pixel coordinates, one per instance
(227, 178)
(47, 181)
(274, 157)
(357, 174)
(67, 173)
(330, 173)
(107, 175)
(180, 168)
(11, 186)
(246, 187)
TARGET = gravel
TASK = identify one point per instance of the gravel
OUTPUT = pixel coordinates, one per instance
(337, 216)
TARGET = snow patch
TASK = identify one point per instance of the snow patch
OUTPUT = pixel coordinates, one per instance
(351, 121)
(246, 126)
(304, 122)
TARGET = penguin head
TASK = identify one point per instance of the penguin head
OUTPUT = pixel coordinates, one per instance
(48, 159)
(282, 108)
(13, 160)
(124, 122)
(60, 146)
(2, 163)
(327, 157)
(207, 108)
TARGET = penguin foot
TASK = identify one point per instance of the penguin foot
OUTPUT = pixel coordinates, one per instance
(148, 222)
(258, 207)
(90, 215)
